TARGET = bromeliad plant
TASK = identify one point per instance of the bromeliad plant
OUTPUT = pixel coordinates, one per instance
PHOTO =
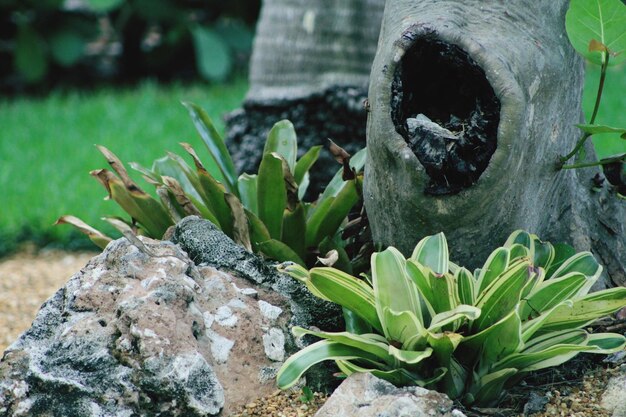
(435, 324)
(263, 212)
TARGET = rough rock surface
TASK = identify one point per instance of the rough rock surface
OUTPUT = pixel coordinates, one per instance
(207, 245)
(615, 393)
(364, 395)
(138, 335)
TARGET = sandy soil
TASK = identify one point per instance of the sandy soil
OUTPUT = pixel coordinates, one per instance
(27, 279)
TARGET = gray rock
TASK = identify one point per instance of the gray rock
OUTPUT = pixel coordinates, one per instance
(364, 395)
(207, 245)
(536, 403)
(614, 394)
(139, 335)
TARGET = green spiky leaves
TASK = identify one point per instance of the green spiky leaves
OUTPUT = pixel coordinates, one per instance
(437, 325)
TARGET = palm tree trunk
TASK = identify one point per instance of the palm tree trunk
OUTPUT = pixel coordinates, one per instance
(310, 64)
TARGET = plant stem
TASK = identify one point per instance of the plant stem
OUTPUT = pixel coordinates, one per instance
(596, 107)
(593, 164)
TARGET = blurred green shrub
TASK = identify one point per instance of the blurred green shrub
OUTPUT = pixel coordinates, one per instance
(41, 40)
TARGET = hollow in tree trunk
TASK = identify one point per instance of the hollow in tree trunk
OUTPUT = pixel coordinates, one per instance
(472, 102)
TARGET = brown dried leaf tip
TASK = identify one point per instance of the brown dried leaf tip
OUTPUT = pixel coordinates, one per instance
(343, 157)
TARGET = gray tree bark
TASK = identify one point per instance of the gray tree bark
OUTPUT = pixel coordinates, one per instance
(472, 102)
(310, 64)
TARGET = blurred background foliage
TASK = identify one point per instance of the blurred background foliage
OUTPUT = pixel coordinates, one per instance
(96, 68)
(45, 43)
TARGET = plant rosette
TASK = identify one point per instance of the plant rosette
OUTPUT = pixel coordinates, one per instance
(432, 323)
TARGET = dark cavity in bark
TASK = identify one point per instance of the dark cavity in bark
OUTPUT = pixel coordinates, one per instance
(446, 110)
(336, 113)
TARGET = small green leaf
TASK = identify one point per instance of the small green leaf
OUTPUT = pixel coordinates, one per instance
(278, 251)
(598, 129)
(98, 238)
(305, 163)
(602, 21)
(67, 47)
(213, 58)
(357, 162)
(432, 251)
(282, 140)
(329, 215)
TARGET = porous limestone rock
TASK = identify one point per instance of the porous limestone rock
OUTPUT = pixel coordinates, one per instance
(364, 395)
(137, 334)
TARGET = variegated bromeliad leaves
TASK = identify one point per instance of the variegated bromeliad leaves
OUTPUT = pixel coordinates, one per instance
(435, 324)
(264, 212)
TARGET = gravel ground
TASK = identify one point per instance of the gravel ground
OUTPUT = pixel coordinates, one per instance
(27, 279)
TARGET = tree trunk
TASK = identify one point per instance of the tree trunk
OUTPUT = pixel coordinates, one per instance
(310, 64)
(472, 102)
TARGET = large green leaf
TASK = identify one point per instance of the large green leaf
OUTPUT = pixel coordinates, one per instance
(372, 343)
(328, 217)
(258, 231)
(282, 140)
(552, 292)
(496, 263)
(600, 20)
(548, 340)
(460, 312)
(293, 230)
(490, 386)
(324, 350)
(215, 144)
(347, 291)
(432, 251)
(420, 275)
(466, 286)
(393, 288)
(562, 252)
(247, 185)
(585, 310)
(503, 294)
(271, 193)
(493, 343)
(606, 343)
(403, 328)
(213, 58)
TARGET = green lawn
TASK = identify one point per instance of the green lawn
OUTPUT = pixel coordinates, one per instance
(46, 147)
(47, 150)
